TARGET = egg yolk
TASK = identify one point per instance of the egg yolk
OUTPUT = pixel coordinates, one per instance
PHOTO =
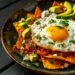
(56, 33)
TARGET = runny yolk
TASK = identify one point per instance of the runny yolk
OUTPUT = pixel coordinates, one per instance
(56, 33)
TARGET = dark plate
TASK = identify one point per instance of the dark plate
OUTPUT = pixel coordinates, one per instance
(9, 37)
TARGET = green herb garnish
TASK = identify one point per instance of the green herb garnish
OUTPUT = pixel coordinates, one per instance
(52, 21)
(50, 42)
(73, 41)
(63, 44)
(39, 37)
(38, 22)
(59, 27)
(44, 38)
(36, 64)
(64, 23)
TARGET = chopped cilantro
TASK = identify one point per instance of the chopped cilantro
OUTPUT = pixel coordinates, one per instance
(36, 64)
(64, 23)
(39, 37)
(44, 37)
(52, 21)
(59, 27)
(63, 44)
(73, 41)
(50, 42)
(38, 22)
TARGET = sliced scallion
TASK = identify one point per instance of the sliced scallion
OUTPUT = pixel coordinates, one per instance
(38, 22)
(64, 23)
(52, 21)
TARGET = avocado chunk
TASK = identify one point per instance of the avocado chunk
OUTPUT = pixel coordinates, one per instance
(55, 9)
(24, 22)
(25, 32)
(33, 57)
(68, 11)
(72, 15)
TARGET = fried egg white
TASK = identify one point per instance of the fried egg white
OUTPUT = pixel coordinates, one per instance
(52, 33)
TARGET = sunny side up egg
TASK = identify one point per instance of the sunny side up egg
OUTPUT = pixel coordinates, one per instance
(57, 34)
(52, 33)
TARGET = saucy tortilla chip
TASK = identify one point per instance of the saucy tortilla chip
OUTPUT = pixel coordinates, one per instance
(15, 24)
(19, 42)
(68, 58)
(54, 63)
(17, 27)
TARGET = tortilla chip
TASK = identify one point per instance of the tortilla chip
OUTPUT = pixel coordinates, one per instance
(15, 24)
(19, 42)
(30, 15)
(37, 13)
(18, 28)
(68, 58)
(57, 64)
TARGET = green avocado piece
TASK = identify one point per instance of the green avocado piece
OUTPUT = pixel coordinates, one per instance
(33, 57)
(72, 15)
(23, 23)
(25, 32)
(68, 7)
(55, 9)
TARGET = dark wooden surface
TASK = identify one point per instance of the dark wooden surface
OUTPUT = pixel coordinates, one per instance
(4, 3)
